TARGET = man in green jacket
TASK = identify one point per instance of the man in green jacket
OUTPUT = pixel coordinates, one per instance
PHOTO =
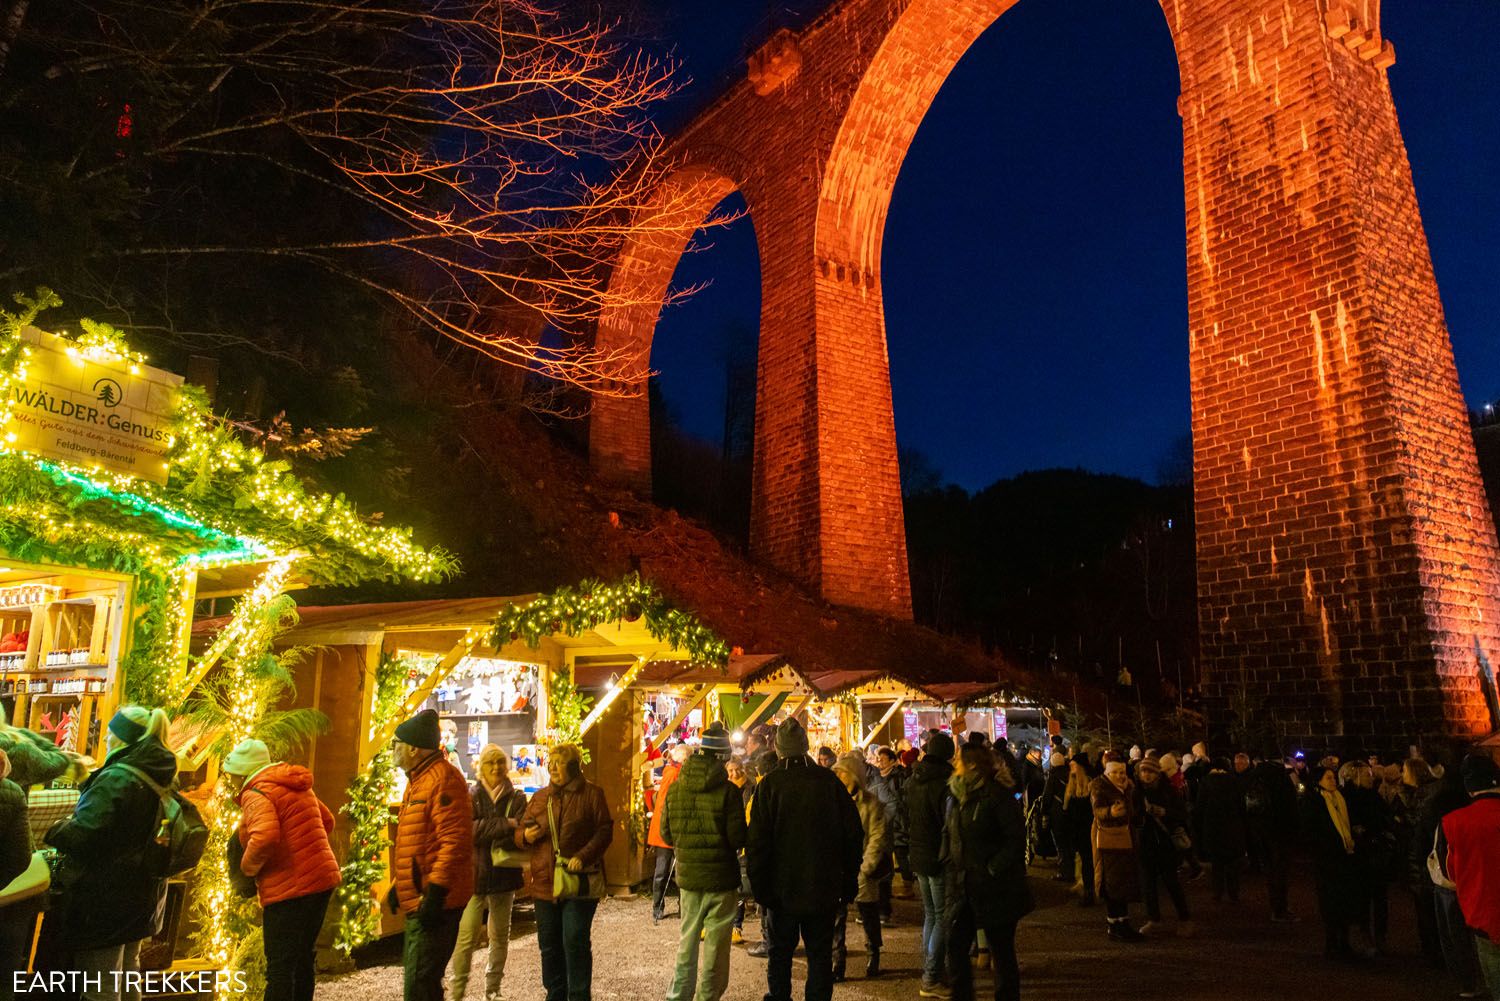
(704, 821)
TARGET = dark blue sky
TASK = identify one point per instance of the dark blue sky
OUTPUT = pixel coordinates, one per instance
(1034, 274)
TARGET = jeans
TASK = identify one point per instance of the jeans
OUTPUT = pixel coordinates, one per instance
(425, 954)
(290, 929)
(1489, 964)
(710, 913)
(564, 932)
(1002, 943)
(1157, 870)
(934, 933)
(783, 930)
(659, 882)
(1456, 940)
(105, 961)
(469, 928)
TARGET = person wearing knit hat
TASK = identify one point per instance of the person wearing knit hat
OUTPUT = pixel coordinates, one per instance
(715, 741)
(113, 825)
(248, 757)
(283, 837)
(1165, 814)
(434, 868)
(791, 740)
(803, 859)
(703, 818)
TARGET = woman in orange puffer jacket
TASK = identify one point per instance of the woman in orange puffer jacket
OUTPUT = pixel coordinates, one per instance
(284, 831)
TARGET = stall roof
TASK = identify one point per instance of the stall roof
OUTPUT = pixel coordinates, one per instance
(946, 680)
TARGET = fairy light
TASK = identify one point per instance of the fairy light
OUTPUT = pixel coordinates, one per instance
(575, 610)
(223, 504)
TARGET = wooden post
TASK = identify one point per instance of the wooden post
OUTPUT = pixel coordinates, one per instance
(865, 742)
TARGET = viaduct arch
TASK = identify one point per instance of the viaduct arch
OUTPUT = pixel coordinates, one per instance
(1348, 571)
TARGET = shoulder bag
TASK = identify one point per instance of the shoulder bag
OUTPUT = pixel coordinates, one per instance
(1113, 838)
(585, 885)
(1435, 863)
(505, 855)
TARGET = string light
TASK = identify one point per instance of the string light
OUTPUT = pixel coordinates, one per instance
(574, 610)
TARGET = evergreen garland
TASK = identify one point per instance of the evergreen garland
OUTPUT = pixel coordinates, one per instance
(369, 813)
(575, 610)
(566, 709)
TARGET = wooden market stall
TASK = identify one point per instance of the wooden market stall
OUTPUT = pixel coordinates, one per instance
(123, 501)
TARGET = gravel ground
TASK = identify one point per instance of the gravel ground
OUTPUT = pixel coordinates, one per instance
(1236, 954)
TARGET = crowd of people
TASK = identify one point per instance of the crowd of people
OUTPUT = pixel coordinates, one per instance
(801, 839)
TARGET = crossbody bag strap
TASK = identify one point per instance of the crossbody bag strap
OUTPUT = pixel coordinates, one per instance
(557, 857)
(162, 792)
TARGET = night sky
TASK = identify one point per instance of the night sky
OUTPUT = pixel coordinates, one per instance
(1035, 289)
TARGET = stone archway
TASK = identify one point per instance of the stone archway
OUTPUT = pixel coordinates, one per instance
(620, 427)
(1349, 576)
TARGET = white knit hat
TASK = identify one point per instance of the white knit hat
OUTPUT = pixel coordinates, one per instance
(247, 758)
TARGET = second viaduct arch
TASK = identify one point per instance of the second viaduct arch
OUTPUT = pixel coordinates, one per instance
(1349, 579)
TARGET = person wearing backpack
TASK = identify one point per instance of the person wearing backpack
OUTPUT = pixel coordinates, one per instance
(115, 869)
(284, 831)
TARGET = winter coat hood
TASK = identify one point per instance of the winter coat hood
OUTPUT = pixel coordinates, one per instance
(854, 766)
(293, 778)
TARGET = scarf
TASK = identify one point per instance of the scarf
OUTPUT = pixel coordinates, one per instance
(1339, 811)
(964, 786)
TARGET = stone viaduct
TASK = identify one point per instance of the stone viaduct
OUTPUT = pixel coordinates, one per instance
(1348, 575)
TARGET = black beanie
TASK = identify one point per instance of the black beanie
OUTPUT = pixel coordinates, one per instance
(940, 746)
(420, 731)
(1479, 773)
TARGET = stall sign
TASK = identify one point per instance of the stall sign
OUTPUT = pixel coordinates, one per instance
(109, 414)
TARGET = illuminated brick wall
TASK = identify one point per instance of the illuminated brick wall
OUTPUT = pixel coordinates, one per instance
(1348, 573)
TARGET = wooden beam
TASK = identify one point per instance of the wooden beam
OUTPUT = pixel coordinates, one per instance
(435, 677)
(900, 701)
(802, 704)
(691, 702)
(764, 711)
(613, 693)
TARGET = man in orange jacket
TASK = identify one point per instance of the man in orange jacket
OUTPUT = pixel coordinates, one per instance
(434, 875)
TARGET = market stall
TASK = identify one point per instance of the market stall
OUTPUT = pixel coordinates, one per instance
(123, 500)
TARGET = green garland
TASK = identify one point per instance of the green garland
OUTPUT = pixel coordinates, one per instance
(369, 813)
(566, 709)
(575, 610)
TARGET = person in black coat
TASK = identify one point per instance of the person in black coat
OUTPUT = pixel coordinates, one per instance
(1221, 826)
(1053, 822)
(926, 801)
(1328, 831)
(1271, 804)
(1375, 850)
(117, 894)
(1162, 812)
(16, 920)
(985, 867)
(803, 857)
